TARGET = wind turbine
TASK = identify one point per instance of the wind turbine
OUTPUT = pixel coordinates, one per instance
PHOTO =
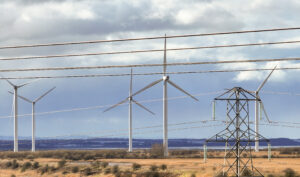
(33, 113)
(16, 87)
(166, 80)
(257, 103)
(130, 99)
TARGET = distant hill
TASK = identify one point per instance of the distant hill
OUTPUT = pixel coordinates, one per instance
(106, 143)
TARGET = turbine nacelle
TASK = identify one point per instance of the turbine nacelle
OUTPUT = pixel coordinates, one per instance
(166, 78)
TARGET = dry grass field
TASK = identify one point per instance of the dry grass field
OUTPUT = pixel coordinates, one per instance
(175, 166)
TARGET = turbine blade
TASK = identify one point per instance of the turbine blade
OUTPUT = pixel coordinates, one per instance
(176, 86)
(36, 100)
(140, 105)
(143, 89)
(10, 83)
(26, 83)
(23, 98)
(148, 86)
(116, 105)
(263, 83)
(265, 112)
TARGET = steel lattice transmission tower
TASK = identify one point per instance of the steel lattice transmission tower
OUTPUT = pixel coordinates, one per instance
(237, 136)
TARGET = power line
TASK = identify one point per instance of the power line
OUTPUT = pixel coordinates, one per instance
(281, 93)
(288, 126)
(148, 38)
(156, 131)
(149, 65)
(109, 105)
(275, 123)
(284, 122)
(145, 51)
(138, 128)
(147, 74)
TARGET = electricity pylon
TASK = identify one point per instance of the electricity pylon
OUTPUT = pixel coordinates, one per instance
(238, 136)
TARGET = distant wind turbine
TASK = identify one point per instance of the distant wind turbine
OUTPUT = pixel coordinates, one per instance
(130, 99)
(33, 113)
(166, 80)
(16, 87)
(257, 103)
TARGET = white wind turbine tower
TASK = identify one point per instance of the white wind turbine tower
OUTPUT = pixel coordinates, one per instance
(16, 142)
(166, 80)
(33, 113)
(130, 99)
(257, 103)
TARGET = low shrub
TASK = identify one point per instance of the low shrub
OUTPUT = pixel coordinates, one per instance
(163, 167)
(104, 164)
(35, 165)
(74, 169)
(87, 171)
(127, 173)
(153, 168)
(8, 164)
(52, 169)
(44, 169)
(246, 172)
(61, 164)
(115, 169)
(15, 164)
(96, 164)
(107, 171)
(221, 174)
(289, 172)
(26, 166)
(136, 166)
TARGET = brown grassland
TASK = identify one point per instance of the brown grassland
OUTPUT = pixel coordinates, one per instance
(148, 163)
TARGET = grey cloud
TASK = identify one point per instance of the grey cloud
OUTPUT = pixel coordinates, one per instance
(117, 17)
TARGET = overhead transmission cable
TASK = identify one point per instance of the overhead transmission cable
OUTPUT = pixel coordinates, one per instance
(156, 131)
(147, 74)
(109, 105)
(145, 51)
(138, 128)
(281, 93)
(149, 38)
(150, 65)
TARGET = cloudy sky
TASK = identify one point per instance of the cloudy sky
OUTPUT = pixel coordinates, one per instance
(47, 21)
